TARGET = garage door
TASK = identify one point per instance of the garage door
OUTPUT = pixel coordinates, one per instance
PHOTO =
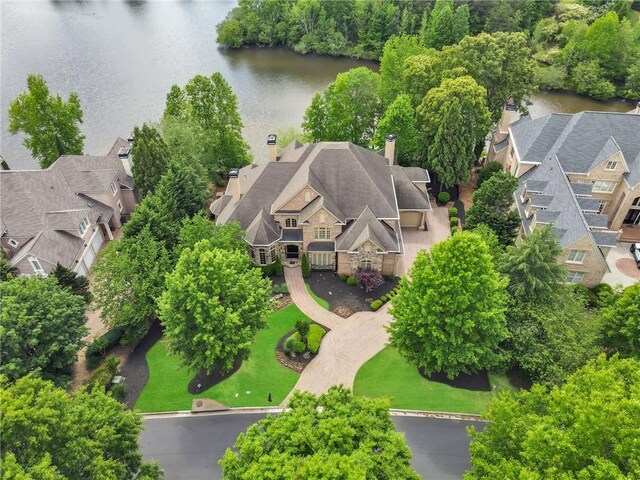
(97, 241)
(410, 219)
(88, 258)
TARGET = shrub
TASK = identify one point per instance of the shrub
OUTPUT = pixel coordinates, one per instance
(391, 277)
(97, 349)
(375, 305)
(444, 197)
(304, 263)
(342, 277)
(302, 329)
(454, 230)
(267, 270)
(351, 280)
(383, 298)
(453, 221)
(101, 378)
(277, 267)
(316, 332)
(279, 288)
(299, 347)
(290, 344)
(589, 295)
(487, 172)
(453, 212)
(605, 293)
(117, 392)
(369, 279)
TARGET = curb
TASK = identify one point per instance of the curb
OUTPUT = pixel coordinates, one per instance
(394, 412)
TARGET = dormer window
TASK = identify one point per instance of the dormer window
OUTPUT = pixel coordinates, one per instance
(37, 267)
(84, 225)
(322, 233)
(114, 188)
(611, 166)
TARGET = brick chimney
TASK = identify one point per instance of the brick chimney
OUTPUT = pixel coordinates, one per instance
(390, 148)
(233, 187)
(271, 146)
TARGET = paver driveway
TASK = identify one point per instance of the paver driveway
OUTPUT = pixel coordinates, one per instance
(353, 341)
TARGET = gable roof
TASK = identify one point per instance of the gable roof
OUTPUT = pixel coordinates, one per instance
(367, 227)
(263, 230)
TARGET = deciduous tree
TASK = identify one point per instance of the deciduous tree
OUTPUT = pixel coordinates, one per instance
(214, 303)
(47, 121)
(41, 326)
(449, 312)
(49, 434)
(225, 237)
(331, 436)
(396, 51)
(150, 158)
(454, 118)
(620, 323)
(129, 277)
(586, 428)
(399, 119)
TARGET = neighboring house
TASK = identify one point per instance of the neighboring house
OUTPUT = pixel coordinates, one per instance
(581, 174)
(340, 204)
(66, 212)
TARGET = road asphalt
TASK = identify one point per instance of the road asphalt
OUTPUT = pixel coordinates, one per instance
(189, 447)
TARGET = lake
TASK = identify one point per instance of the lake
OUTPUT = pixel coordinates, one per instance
(122, 58)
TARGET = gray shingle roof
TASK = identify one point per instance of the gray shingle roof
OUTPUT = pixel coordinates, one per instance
(605, 239)
(535, 138)
(292, 235)
(596, 220)
(367, 227)
(409, 197)
(263, 230)
(541, 200)
(582, 188)
(321, 247)
(536, 185)
(588, 204)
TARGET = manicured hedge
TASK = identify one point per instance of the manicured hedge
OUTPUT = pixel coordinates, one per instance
(316, 332)
(444, 197)
(453, 212)
(453, 221)
(376, 304)
(97, 349)
(304, 265)
(351, 280)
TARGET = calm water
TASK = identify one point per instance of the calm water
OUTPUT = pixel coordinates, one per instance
(122, 57)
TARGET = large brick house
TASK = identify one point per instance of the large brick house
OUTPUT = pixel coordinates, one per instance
(65, 213)
(579, 173)
(341, 204)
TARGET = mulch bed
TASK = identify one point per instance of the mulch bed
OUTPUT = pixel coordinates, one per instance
(328, 285)
(299, 363)
(203, 381)
(478, 382)
(135, 369)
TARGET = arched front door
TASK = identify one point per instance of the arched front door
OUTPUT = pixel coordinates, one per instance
(292, 251)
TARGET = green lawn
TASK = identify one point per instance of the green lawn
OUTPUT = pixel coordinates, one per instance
(320, 301)
(389, 374)
(258, 376)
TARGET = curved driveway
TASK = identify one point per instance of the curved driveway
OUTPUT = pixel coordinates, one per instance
(189, 447)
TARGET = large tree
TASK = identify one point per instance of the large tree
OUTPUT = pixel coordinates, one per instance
(587, 428)
(226, 237)
(76, 284)
(347, 110)
(209, 106)
(492, 206)
(48, 434)
(150, 158)
(214, 303)
(396, 51)
(621, 323)
(399, 119)
(331, 436)
(41, 326)
(532, 266)
(50, 125)
(129, 277)
(446, 26)
(449, 312)
(455, 119)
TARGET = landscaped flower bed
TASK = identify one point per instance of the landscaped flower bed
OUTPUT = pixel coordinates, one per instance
(376, 304)
(298, 347)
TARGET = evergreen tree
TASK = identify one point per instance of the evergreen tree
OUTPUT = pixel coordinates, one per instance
(444, 26)
(5, 267)
(150, 158)
(76, 284)
(50, 124)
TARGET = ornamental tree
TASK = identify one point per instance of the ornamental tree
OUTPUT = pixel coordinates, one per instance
(620, 323)
(41, 326)
(129, 277)
(586, 428)
(51, 126)
(455, 119)
(49, 434)
(332, 436)
(150, 158)
(214, 303)
(449, 312)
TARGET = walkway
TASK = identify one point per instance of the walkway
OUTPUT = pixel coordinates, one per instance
(622, 265)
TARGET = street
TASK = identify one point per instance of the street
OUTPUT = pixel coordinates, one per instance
(189, 447)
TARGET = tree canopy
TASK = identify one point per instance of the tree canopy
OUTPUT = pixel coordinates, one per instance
(449, 312)
(621, 323)
(76, 284)
(151, 158)
(49, 434)
(331, 436)
(226, 237)
(51, 125)
(214, 303)
(587, 428)
(41, 326)
(399, 119)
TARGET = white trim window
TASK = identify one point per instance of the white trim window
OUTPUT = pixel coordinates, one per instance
(576, 256)
(611, 166)
(114, 188)
(119, 204)
(603, 186)
(366, 265)
(84, 225)
(574, 277)
(322, 233)
(291, 223)
(37, 267)
(322, 260)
